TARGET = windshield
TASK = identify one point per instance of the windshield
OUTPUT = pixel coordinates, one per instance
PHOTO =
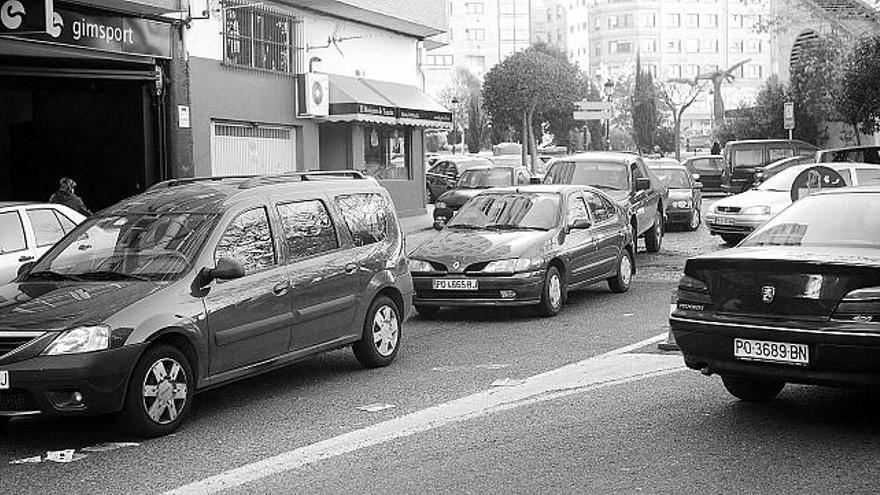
(486, 177)
(509, 211)
(129, 247)
(856, 224)
(674, 178)
(597, 174)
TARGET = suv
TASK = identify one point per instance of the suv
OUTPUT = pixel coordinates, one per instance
(443, 175)
(709, 168)
(625, 178)
(200, 282)
(743, 158)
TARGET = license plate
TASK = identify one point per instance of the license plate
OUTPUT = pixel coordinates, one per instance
(724, 220)
(455, 284)
(774, 352)
(4, 380)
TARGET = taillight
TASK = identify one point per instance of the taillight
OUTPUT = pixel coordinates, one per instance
(693, 294)
(861, 305)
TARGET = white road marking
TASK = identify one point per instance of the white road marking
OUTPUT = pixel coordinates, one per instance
(612, 368)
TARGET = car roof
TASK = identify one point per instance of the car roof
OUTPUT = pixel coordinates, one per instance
(210, 195)
(490, 167)
(12, 204)
(767, 141)
(851, 148)
(871, 189)
(603, 156)
(460, 158)
(540, 188)
(703, 157)
(666, 166)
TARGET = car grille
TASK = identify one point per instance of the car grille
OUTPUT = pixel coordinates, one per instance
(14, 400)
(458, 294)
(729, 209)
(13, 340)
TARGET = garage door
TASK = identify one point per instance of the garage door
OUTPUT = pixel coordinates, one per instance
(246, 149)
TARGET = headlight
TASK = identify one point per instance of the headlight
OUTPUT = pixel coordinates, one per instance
(756, 210)
(509, 266)
(682, 204)
(440, 204)
(79, 340)
(419, 266)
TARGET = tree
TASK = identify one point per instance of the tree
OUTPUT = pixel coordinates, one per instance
(763, 120)
(645, 118)
(815, 84)
(464, 97)
(559, 119)
(678, 95)
(859, 101)
(719, 77)
(523, 86)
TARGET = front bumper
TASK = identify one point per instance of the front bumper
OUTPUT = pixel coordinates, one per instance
(734, 224)
(528, 287)
(39, 384)
(840, 355)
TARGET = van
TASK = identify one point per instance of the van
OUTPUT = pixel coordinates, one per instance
(743, 158)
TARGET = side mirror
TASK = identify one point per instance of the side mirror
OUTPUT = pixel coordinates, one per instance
(643, 184)
(534, 180)
(226, 269)
(25, 268)
(580, 224)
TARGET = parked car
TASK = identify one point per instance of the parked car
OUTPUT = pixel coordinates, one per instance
(709, 168)
(27, 230)
(685, 195)
(524, 245)
(625, 178)
(200, 282)
(796, 302)
(743, 158)
(860, 154)
(773, 168)
(443, 175)
(736, 216)
(472, 182)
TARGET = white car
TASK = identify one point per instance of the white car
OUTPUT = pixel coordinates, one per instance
(735, 217)
(27, 230)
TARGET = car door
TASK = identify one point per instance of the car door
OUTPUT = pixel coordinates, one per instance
(644, 202)
(249, 317)
(437, 178)
(607, 234)
(322, 272)
(47, 227)
(15, 249)
(579, 244)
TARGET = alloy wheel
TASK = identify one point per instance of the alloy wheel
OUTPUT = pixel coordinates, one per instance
(554, 290)
(164, 392)
(625, 269)
(386, 330)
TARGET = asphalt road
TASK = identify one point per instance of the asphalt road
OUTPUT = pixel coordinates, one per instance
(484, 401)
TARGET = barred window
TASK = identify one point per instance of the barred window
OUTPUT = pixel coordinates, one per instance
(255, 37)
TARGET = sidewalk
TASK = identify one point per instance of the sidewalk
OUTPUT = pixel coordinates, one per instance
(418, 223)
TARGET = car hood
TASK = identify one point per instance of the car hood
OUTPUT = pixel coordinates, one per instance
(474, 246)
(777, 200)
(680, 194)
(455, 198)
(55, 306)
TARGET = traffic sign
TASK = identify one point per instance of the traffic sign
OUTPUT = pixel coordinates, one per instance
(604, 106)
(788, 115)
(592, 114)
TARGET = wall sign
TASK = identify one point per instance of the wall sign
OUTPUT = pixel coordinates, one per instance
(25, 16)
(112, 33)
(183, 116)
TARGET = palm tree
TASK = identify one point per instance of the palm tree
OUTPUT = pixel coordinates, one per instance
(718, 78)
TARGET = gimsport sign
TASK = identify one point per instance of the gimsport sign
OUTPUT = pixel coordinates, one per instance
(25, 16)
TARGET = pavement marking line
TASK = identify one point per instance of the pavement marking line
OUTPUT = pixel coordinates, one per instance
(614, 368)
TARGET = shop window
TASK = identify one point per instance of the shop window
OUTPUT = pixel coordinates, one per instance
(257, 38)
(387, 152)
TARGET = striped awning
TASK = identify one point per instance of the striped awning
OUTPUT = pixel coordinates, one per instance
(354, 99)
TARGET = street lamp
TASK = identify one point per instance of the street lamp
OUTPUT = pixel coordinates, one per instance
(609, 90)
(454, 103)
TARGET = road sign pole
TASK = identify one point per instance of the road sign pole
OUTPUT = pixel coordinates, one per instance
(790, 134)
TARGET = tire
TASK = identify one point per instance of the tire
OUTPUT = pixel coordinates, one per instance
(654, 235)
(552, 294)
(696, 220)
(174, 387)
(751, 389)
(380, 341)
(428, 312)
(731, 239)
(621, 282)
(429, 198)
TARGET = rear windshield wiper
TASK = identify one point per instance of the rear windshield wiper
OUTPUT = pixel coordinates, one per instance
(110, 275)
(50, 275)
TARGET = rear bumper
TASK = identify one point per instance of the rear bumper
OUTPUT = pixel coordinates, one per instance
(837, 357)
(679, 216)
(527, 286)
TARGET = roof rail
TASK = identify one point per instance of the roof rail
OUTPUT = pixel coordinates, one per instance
(307, 175)
(190, 180)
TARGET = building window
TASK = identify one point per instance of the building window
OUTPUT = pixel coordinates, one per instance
(709, 46)
(475, 34)
(387, 152)
(693, 70)
(649, 46)
(257, 38)
(649, 19)
(474, 8)
(673, 46)
(710, 20)
(736, 46)
(673, 20)
(477, 63)
(620, 47)
(754, 46)
(597, 24)
(692, 20)
(440, 60)
(673, 71)
(597, 49)
(755, 71)
(736, 21)
(692, 46)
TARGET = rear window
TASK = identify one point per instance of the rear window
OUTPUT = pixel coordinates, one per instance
(748, 157)
(777, 153)
(367, 216)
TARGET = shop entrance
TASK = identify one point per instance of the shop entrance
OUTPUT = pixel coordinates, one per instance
(99, 132)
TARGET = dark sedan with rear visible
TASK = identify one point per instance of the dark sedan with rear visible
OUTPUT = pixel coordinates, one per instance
(797, 301)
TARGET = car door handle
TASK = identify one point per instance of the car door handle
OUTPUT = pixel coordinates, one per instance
(25, 258)
(351, 268)
(281, 288)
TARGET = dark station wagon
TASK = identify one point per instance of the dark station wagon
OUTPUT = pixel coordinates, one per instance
(199, 282)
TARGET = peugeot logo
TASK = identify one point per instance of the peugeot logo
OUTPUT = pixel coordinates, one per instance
(12, 14)
(768, 292)
(456, 265)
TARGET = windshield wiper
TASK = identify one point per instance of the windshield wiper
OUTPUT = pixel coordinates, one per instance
(465, 226)
(603, 186)
(110, 275)
(50, 275)
(512, 226)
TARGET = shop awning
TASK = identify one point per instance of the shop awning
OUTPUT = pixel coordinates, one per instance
(354, 99)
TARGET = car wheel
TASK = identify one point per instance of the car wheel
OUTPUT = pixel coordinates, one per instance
(160, 392)
(731, 239)
(429, 198)
(428, 312)
(752, 389)
(620, 282)
(696, 220)
(552, 293)
(654, 236)
(380, 341)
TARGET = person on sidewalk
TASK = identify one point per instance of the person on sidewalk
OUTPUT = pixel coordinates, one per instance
(66, 196)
